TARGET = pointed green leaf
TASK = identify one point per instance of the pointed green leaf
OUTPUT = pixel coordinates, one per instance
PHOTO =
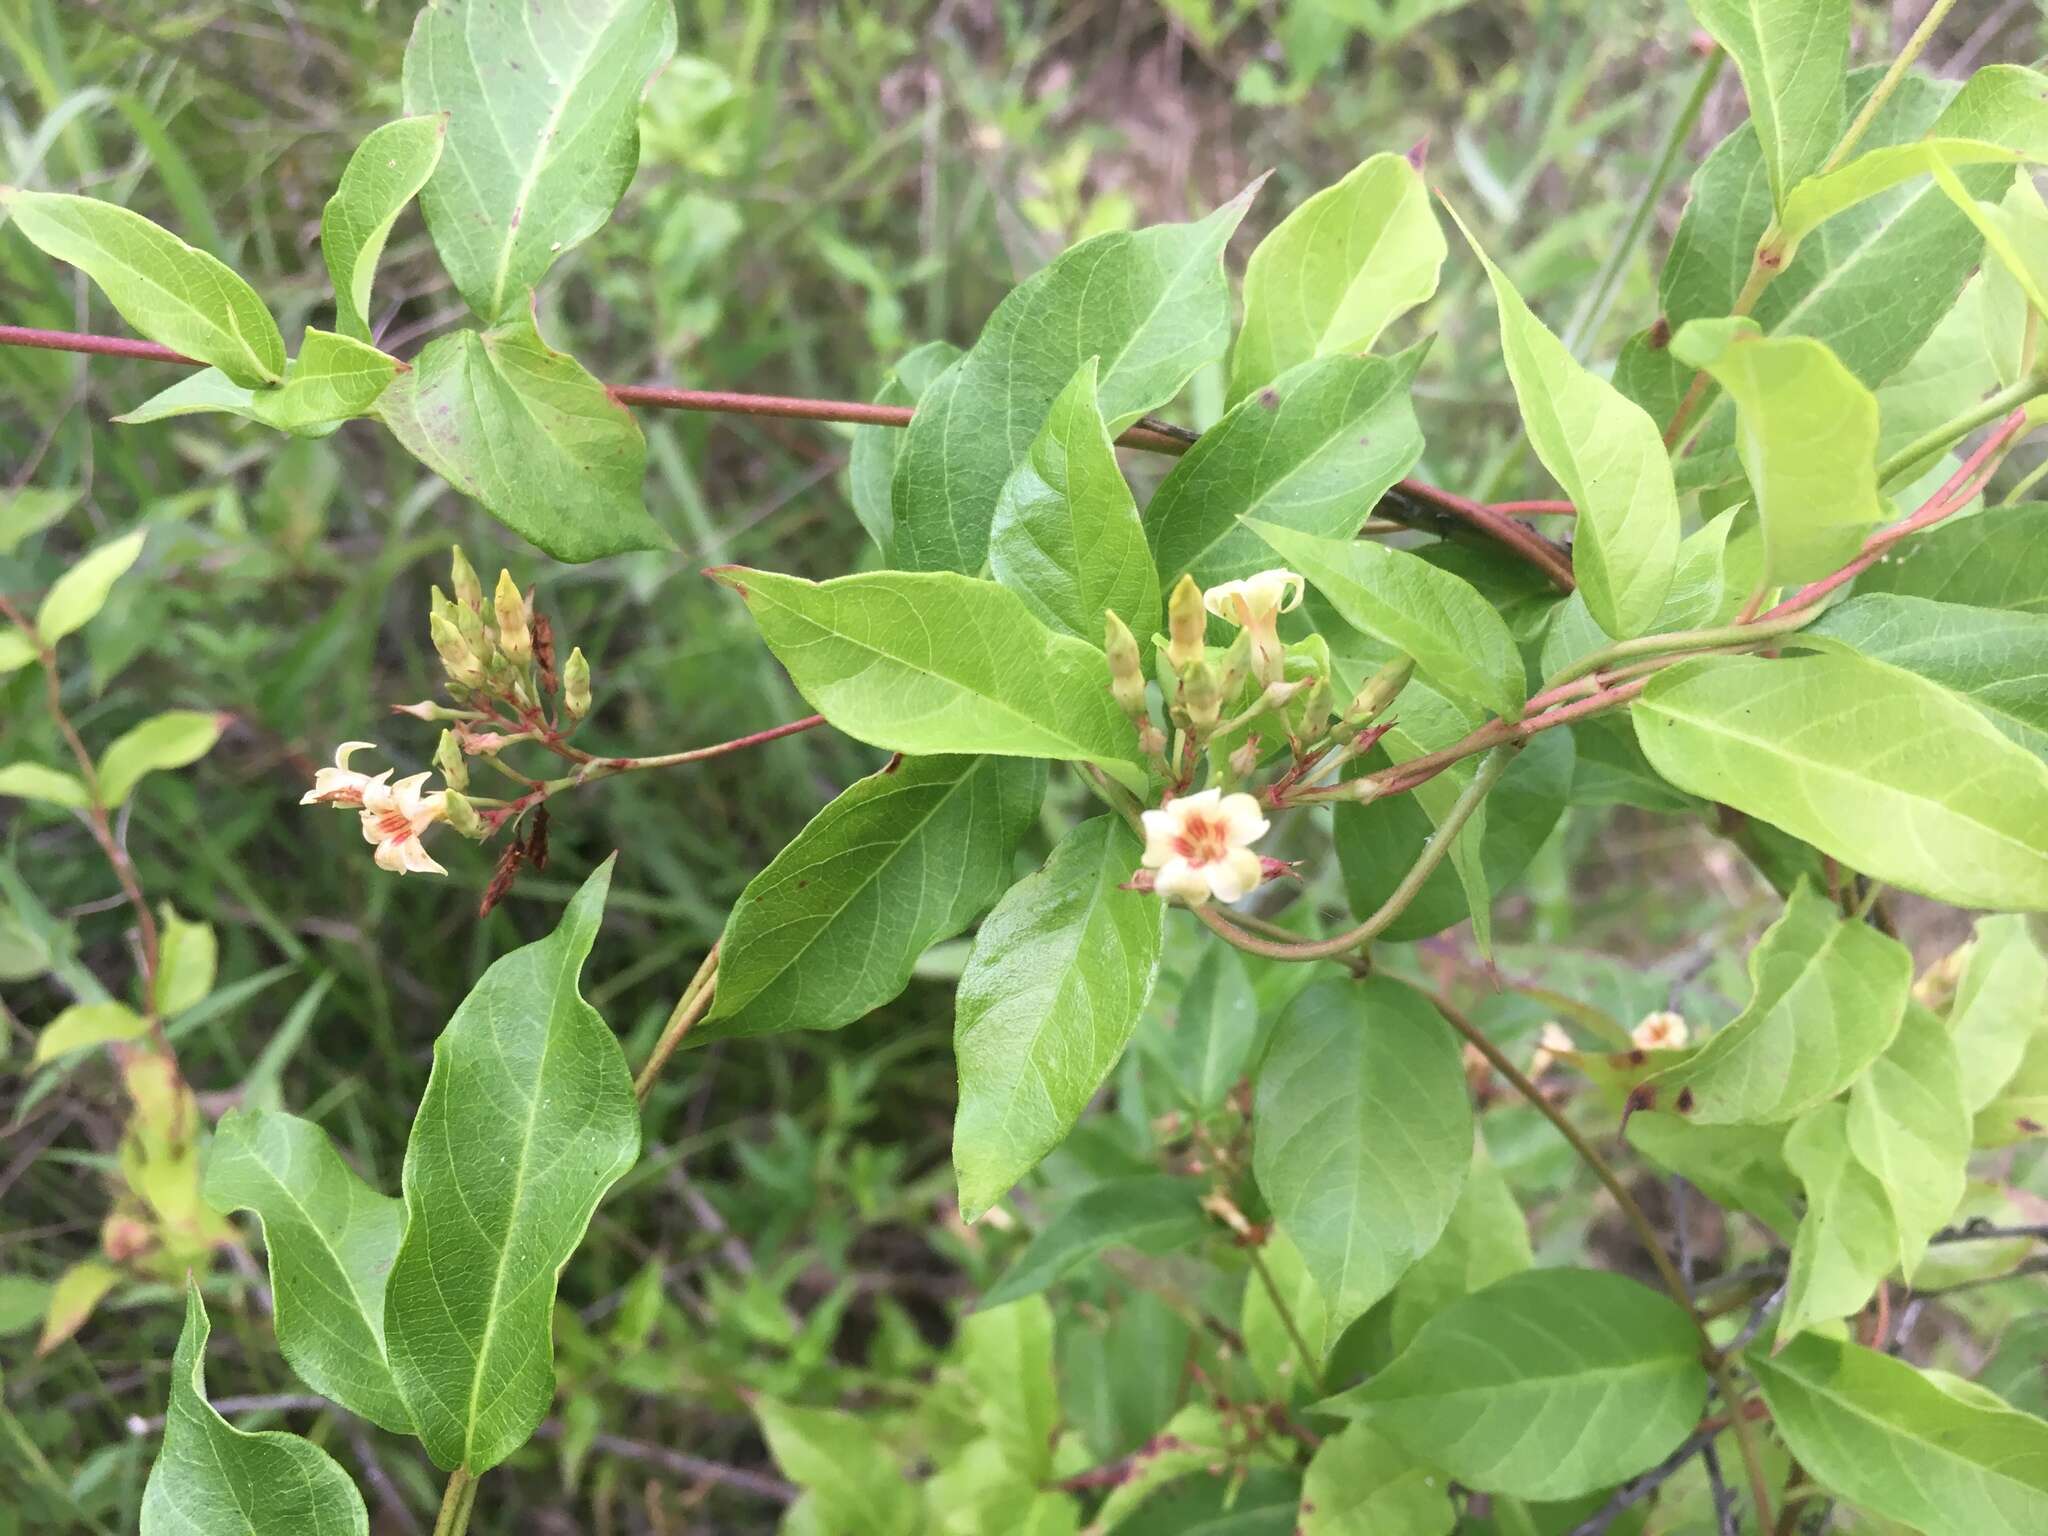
(1806, 432)
(839, 1459)
(1149, 1212)
(189, 955)
(84, 1024)
(1313, 451)
(1828, 996)
(528, 1119)
(76, 597)
(1996, 660)
(27, 510)
(1206, 1038)
(1891, 775)
(1847, 1241)
(1337, 271)
(1792, 55)
(1908, 1125)
(2015, 229)
(1876, 1432)
(168, 740)
(1363, 1135)
(331, 1241)
(1995, 559)
(78, 1291)
(32, 781)
(2020, 1108)
(1065, 536)
(2000, 1004)
(332, 380)
(1152, 305)
(384, 174)
(173, 294)
(16, 651)
(830, 930)
(504, 418)
(1053, 988)
(1819, 198)
(1269, 1336)
(1546, 1385)
(1006, 1353)
(931, 662)
(1609, 457)
(543, 105)
(1360, 1483)
(1454, 634)
(871, 463)
(1487, 1240)
(211, 1479)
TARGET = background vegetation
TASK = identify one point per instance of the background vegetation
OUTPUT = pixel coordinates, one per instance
(822, 186)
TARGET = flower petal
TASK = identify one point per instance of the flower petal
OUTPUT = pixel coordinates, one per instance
(1242, 823)
(1183, 882)
(1235, 875)
(1161, 828)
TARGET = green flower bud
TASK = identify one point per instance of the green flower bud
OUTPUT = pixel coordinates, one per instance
(1202, 696)
(1186, 622)
(1380, 690)
(460, 814)
(1126, 671)
(462, 576)
(453, 766)
(457, 658)
(515, 637)
(576, 684)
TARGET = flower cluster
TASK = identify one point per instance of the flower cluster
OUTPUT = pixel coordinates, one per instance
(394, 816)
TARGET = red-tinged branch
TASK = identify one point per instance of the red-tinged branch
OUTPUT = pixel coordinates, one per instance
(1441, 504)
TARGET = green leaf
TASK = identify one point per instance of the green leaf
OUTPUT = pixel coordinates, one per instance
(1546, 1385)
(1337, 271)
(1996, 559)
(384, 174)
(1455, 636)
(188, 956)
(1207, 1036)
(1819, 198)
(1006, 1352)
(1999, 1005)
(76, 597)
(1053, 988)
(1609, 457)
(1792, 55)
(1149, 1212)
(847, 1470)
(27, 510)
(1313, 451)
(1909, 1126)
(1360, 1483)
(169, 740)
(1363, 1135)
(331, 1240)
(2020, 1109)
(528, 1119)
(211, 1479)
(1874, 1431)
(1065, 535)
(172, 293)
(1890, 775)
(85, 1024)
(831, 929)
(2015, 229)
(505, 419)
(16, 651)
(1152, 305)
(930, 662)
(77, 1292)
(1269, 1335)
(1847, 1241)
(543, 106)
(32, 781)
(1828, 995)
(1487, 1240)
(871, 464)
(1998, 661)
(332, 380)
(1807, 434)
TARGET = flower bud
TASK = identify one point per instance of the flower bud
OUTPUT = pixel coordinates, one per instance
(515, 638)
(462, 576)
(1379, 691)
(460, 814)
(1244, 762)
(1126, 671)
(576, 684)
(1186, 621)
(453, 766)
(1202, 697)
(457, 658)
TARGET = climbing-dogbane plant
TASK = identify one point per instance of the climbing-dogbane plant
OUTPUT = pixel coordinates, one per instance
(1782, 606)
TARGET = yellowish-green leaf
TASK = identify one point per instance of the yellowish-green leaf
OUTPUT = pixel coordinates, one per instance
(1807, 433)
(1820, 198)
(1887, 773)
(1793, 55)
(84, 1024)
(2015, 230)
(172, 293)
(384, 174)
(1006, 1353)
(187, 954)
(77, 596)
(77, 1292)
(1847, 1241)
(29, 509)
(333, 379)
(1360, 1483)
(32, 781)
(1487, 1240)
(1608, 456)
(2000, 1004)
(843, 1464)
(1909, 1127)
(169, 740)
(1337, 271)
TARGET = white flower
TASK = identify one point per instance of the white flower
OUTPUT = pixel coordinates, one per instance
(1662, 1031)
(1200, 846)
(394, 816)
(1256, 602)
(1551, 1043)
(341, 784)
